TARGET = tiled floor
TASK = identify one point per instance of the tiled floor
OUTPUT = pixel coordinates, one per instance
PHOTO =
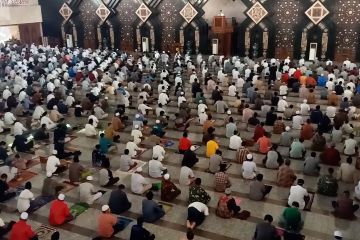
(319, 223)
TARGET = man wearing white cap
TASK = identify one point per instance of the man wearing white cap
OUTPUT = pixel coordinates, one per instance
(143, 108)
(169, 191)
(282, 104)
(21, 230)
(338, 235)
(249, 168)
(156, 168)
(70, 100)
(297, 121)
(158, 152)
(88, 194)
(108, 224)
(286, 137)
(100, 113)
(47, 121)
(59, 211)
(137, 134)
(53, 165)
(132, 147)
(55, 115)
(6, 93)
(139, 184)
(163, 98)
(304, 108)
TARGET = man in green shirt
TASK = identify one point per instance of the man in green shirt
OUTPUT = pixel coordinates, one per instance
(291, 218)
(327, 184)
(297, 149)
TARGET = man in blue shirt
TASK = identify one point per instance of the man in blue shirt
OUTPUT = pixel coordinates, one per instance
(138, 232)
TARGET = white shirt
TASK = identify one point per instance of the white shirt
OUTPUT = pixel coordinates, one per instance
(201, 207)
(282, 105)
(330, 85)
(348, 94)
(69, 101)
(6, 94)
(155, 168)
(185, 173)
(47, 121)
(331, 111)
(158, 152)
(137, 183)
(132, 147)
(350, 145)
(249, 169)
(50, 87)
(9, 118)
(137, 134)
(23, 202)
(22, 96)
(142, 107)
(297, 122)
(19, 128)
(86, 190)
(283, 89)
(49, 97)
(232, 91)
(304, 108)
(163, 98)
(180, 100)
(2, 125)
(90, 130)
(52, 163)
(202, 118)
(297, 194)
(39, 110)
(235, 142)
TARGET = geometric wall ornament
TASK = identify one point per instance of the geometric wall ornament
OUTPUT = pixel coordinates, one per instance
(317, 12)
(103, 12)
(188, 12)
(143, 12)
(65, 11)
(257, 12)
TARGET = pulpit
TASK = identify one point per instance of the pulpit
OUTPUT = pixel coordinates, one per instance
(223, 29)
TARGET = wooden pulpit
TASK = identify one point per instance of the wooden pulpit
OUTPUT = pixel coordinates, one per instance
(223, 29)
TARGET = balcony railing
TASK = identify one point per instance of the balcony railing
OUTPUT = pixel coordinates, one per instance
(14, 3)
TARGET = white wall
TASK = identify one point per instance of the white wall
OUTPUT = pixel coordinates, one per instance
(20, 15)
(9, 32)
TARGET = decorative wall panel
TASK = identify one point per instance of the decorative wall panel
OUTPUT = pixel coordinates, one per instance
(89, 19)
(127, 17)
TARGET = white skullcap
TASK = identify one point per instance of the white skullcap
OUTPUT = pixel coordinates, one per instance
(157, 121)
(139, 169)
(287, 128)
(49, 174)
(182, 93)
(55, 107)
(192, 148)
(228, 112)
(297, 112)
(54, 152)
(2, 224)
(304, 101)
(200, 101)
(104, 208)
(106, 98)
(249, 156)
(337, 233)
(61, 197)
(137, 116)
(24, 216)
(89, 178)
(70, 94)
(167, 176)
(7, 87)
(284, 97)
(136, 126)
(117, 114)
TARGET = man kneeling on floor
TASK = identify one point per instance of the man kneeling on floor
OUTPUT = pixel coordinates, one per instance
(108, 224)
(59, 212)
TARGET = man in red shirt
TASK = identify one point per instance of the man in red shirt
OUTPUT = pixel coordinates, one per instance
(21, 230)
(184, 143)
(330, 156)
(108, 223)
(59, 212)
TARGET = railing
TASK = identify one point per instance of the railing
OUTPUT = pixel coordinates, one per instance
(13, 3)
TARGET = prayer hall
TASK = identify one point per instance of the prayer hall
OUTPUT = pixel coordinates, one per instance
(179, 119)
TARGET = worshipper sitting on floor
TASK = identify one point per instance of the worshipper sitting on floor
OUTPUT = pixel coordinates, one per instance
(22, 144)
(241, 153)
(285, 176)
(190, 158)
(291, 219)
(286, 137)
(350, 146)
(319, 142)
(118, 201)
(138, 232)
(97, 156)
(156, 168)
(215, 161)
(279, 126)
(51, 187)
(4, 155)
(105, 144)
(186, 176)
(5, 228)
(108, 224)
(133, 148)
(25, 198)
(249, 168)
(126, 162)
(265, 230)
(197, 193)
(347, 172)
(330, 156)
(59, 212)
(307, 131)
(327, 184)
(157, 129)
(312, 165)
(111, 134)
(211, 146)
(227, 207)
(297, 149)
(184, 143)
(222, 180)
(169, 191)
(87, 191)
(273, 158)
(5, 192)
(137, 134)
(298, 194)
(90, 130)
(258, 190)
(151, 210)
(41, 134)
(344, 206)
(158, 152)
(53, 164)
(77, 172)
(264, 143)
(139, 184)
(22, 230)
(106, 178)
(197, 212)
(235, 141)
(20, 163)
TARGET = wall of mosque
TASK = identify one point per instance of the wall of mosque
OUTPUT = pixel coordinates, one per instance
(271, 28)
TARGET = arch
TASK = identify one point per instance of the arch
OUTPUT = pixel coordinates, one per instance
(152, 34)
(186, 30)
(252, 33)
(316, 33)
(69, 24)
(105, 30)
